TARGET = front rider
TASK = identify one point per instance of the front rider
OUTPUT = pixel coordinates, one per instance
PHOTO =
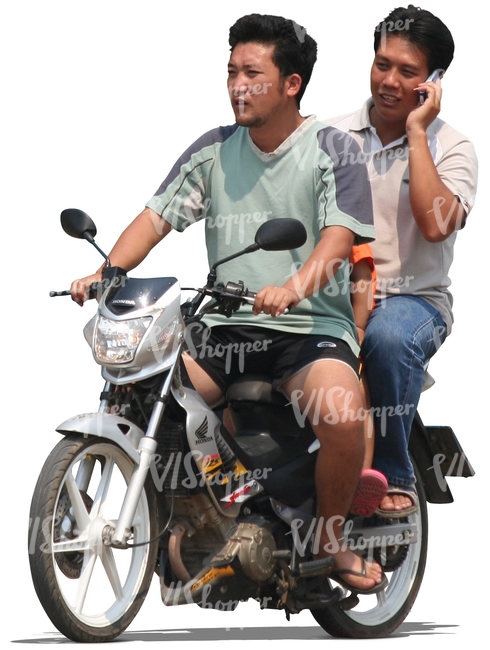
(273, 163)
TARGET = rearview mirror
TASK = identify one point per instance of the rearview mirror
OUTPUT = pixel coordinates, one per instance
(280, 234)
(77, 223)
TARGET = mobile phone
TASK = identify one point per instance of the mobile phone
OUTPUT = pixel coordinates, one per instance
(437, 74)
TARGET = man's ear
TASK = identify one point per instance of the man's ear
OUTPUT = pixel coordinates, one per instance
(294, 83)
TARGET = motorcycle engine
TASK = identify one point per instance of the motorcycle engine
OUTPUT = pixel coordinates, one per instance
(254, 546)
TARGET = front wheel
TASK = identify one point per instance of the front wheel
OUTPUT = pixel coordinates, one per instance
(381, 614)
(90, 591)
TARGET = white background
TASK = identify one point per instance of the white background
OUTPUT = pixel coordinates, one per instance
(99, 99)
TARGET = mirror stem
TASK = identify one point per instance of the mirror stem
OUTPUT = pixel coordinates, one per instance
(91, 240)
(212, 273)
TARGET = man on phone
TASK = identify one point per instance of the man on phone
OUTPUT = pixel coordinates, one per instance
(423, 179)
(273, 163)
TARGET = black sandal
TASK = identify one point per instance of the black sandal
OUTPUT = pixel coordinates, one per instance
(335, 575)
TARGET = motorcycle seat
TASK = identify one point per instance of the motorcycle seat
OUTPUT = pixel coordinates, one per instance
(255, 387)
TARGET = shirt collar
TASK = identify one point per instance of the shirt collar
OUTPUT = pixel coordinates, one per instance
(362, 121)
(284, 146)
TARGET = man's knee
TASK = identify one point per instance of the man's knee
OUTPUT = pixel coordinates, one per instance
(385, 339)
(336, 411)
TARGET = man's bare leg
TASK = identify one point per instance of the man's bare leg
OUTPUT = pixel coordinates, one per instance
(330, 391)
(368, 425)
(202, 382)
(340, 456)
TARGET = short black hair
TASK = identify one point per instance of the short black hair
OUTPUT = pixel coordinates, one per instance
(421, 28)
(294, 50)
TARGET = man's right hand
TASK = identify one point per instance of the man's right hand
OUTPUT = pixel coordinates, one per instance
(79, 288)
(419, 120)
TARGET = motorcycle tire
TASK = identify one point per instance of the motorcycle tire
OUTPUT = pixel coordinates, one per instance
(90, 591)
(379, 615)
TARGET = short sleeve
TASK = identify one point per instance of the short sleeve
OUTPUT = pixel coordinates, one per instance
(345, 198)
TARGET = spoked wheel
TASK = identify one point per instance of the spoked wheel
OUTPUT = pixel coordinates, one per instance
(90, 591)
(380, 614)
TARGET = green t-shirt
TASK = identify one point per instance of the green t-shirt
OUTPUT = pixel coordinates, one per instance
(226, 180)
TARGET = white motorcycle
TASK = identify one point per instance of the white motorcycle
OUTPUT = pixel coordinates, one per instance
(153, 485)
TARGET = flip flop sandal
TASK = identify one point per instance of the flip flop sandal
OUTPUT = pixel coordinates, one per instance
(372, 487)
(398, 514)
(335, 575)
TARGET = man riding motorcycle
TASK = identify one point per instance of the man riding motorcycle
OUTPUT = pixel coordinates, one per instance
(271, 163)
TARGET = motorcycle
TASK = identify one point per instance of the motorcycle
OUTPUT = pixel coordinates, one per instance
(153, 484)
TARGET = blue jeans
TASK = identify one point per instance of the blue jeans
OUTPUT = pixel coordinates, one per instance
(402, 334)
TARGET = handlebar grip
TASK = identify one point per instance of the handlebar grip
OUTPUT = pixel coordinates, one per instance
(55, 294)
(91, 292)
(249, 297)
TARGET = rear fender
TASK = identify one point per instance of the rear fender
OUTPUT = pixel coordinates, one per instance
(106, 425)
(437, 454)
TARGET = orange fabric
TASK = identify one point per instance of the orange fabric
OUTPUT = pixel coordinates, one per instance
(364, 252)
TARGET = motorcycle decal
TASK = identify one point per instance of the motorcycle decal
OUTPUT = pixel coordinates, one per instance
(239, 469)
(211, 461)
(201, 432)
(210, 576)
(211, 466)
(242, 493)
(128, 303)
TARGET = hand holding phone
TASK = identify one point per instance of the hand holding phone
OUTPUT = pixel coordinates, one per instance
(437, 74)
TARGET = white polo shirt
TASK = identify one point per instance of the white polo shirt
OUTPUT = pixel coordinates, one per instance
(406, 263)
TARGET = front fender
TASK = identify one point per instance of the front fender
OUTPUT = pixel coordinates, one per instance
(106, 425)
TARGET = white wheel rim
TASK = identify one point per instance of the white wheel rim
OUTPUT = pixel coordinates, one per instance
(378, 608)
(110, 579)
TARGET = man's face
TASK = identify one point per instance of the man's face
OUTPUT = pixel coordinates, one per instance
(257, 91)
(398, 67)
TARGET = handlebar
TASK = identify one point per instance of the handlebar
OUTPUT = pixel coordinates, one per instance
(56, 294)
(91, 293)
(97, 288)
(231, 290)
(235, 290)
(227, 297)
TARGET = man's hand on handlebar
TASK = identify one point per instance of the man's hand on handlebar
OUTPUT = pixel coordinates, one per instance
(275, 300)
(80, 288)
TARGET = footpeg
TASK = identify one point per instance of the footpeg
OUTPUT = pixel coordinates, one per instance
(349, 603)
(316, 567)
(319, 601)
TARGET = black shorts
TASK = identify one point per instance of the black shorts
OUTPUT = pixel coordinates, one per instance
(226, 351)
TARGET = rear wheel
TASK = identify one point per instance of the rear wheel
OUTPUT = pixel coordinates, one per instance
(380, 614)
(90, 591)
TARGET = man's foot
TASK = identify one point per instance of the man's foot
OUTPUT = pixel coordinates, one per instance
(399, 502)
(356, 574)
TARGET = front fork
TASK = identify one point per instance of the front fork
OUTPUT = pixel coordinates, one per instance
(146, 450)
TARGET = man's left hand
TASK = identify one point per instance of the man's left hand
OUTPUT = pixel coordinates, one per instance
(275, 300)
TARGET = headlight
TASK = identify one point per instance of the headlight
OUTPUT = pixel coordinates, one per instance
(160, 337)
(117, 341)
